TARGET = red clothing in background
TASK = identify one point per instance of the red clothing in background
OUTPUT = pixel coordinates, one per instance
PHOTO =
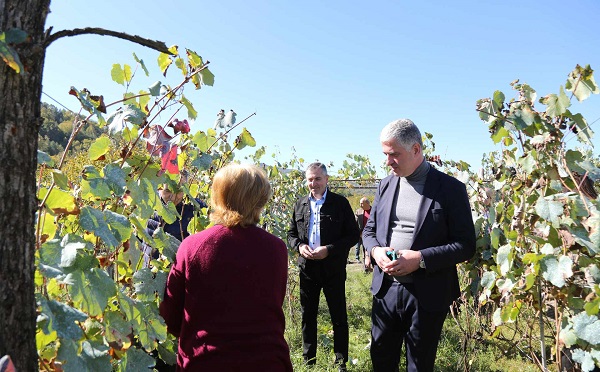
(224, 300)
(366, 215)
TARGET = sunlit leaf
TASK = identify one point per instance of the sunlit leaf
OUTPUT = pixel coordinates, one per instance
(192, 113)
(117, 74)
(164, 61)
(556, 271)
(91, 290)
(488, 279)
(587, 328)
(550, 210)
(180, 63)
(70, 253)
(60, 180)
(201, 140)
(522, 117)
(128, 114)
(194, 59)
(59, 201)
(207, 77)
(528, 163)
(247, 139)
(127, 74)
(99, 148)
(486, 110)
(141, 62)
(586, 359)
(505, 258)
(557, 104)
(500, 134)
(498, 100)
(581, 82)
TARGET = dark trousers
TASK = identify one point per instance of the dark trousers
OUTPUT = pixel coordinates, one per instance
(334, 288)
(397, 318)
(357, 249)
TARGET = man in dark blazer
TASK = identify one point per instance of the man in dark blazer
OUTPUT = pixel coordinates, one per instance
(322, 230)
(419, 229)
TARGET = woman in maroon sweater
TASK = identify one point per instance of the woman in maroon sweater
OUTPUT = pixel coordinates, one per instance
(225, 291)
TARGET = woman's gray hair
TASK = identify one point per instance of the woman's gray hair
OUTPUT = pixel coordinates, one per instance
(403, 131)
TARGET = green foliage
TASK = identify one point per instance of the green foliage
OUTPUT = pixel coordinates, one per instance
(97, 309)
(538, 226)
(536, 216)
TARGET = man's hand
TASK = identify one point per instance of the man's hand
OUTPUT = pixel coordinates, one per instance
(320, 253)
(305, 251)
(407, 262)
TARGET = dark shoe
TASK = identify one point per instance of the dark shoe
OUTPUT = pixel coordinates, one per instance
(342, 368)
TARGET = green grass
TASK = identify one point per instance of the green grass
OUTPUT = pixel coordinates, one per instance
(455, 351)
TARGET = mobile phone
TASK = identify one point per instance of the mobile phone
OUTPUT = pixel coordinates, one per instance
(392, 255)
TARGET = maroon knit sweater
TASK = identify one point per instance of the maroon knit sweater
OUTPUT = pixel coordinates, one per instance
(224, 300)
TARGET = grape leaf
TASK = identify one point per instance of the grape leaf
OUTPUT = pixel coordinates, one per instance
(99, 147)
(581, 82)
(117, 74)
(550, 210)
(147, 284)
(136, 360)
(63, 319)
(91, 290)
(587, 327)
(43, 158)
(556, 271)
(557, 104)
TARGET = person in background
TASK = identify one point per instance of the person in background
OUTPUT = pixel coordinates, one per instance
(362, 216)
(171, 192)
(419, 229)
(225, 291)
(322, 230)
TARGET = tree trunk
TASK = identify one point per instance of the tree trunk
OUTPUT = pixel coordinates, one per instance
(19, 123)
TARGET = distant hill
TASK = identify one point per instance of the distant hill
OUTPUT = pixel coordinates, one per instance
(57, 127)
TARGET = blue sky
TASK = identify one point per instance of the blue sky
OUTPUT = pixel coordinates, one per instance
(325, 76)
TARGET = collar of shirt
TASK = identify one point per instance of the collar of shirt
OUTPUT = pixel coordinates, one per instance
(314, 226)
(320, 201)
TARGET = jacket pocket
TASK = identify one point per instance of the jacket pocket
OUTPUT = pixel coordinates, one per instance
(300, 222)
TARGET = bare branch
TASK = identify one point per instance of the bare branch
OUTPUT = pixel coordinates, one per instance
(153, 44)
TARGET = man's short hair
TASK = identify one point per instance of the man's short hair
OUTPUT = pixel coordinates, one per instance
(238, 195)
(404, 132)
(317, 165)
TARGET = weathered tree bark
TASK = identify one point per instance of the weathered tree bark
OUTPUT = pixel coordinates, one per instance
(19, 123)
(20, 120)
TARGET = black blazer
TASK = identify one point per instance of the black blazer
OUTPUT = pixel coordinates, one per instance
(338, 230)
(444, 233)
